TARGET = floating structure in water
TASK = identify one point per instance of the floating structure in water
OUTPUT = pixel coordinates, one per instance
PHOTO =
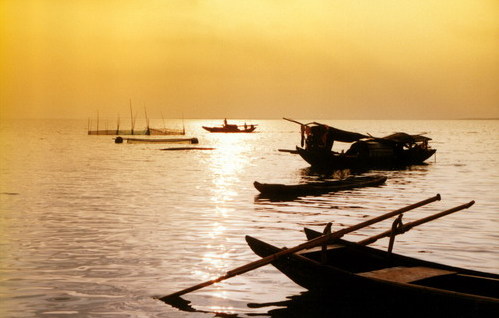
(132, 131)
(120, 140)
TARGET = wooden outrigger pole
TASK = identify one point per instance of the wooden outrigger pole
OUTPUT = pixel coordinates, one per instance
(397, 227)
(406, 227)
(309, 244)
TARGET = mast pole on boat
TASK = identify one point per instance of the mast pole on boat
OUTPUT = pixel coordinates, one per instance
(97, 122)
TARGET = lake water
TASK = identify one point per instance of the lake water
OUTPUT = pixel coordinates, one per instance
(90, 228)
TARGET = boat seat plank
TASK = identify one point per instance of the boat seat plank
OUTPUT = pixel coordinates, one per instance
(319, 248)
(403, 274)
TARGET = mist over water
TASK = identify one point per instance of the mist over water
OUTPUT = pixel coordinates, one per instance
(90, 228)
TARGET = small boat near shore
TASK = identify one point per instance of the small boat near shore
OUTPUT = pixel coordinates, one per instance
(120, 140)
(275, 189)
(231, 128)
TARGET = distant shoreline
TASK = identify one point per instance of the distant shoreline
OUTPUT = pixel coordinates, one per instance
(497, 118)
(248, 119)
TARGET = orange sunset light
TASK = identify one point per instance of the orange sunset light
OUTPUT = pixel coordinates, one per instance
(257, 59)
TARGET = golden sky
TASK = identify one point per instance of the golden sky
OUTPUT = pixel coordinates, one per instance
(330, 59)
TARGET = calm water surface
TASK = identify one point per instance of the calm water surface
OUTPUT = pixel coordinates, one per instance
(90, 228)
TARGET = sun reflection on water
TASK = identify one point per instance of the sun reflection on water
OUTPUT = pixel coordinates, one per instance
(218, 229)
(227, 165)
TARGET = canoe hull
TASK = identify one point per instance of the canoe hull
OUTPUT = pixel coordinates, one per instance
(342, 274)
(273, 189)
(334, 160)
(229, 129)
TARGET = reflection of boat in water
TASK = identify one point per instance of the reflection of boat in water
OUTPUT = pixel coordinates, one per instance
(398, 149)
(120, 140)
(274, 189)
(230, 128)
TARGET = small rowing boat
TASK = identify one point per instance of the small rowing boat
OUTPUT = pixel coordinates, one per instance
(230, 128)
(120, 140)
(275, 189)
(374, 277)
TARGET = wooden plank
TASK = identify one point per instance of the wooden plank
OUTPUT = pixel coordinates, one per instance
(401, 274)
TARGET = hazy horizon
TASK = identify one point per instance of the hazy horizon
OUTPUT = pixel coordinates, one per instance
(250, 60)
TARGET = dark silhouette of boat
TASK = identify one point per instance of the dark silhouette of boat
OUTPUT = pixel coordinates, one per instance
(396, 150)
(275, 189)
(408, 286)
(231, 128)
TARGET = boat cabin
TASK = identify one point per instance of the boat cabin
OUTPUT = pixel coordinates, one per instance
(320, 137)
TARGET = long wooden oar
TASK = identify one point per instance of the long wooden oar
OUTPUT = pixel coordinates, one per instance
(309, 244)
(406, 227)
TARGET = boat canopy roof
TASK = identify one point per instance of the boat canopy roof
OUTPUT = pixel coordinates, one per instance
(348, 136)
(401, 137)
(342, 135)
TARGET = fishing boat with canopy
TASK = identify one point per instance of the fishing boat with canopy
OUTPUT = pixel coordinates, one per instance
(395, 150)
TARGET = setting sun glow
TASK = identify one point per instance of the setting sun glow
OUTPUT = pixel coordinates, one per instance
(258, 59)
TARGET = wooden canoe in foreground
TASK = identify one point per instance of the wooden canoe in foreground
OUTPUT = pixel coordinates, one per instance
(410, 286)
(275, 189)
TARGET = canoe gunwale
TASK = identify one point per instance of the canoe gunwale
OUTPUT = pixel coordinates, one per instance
(319, 188)
(327, 276)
